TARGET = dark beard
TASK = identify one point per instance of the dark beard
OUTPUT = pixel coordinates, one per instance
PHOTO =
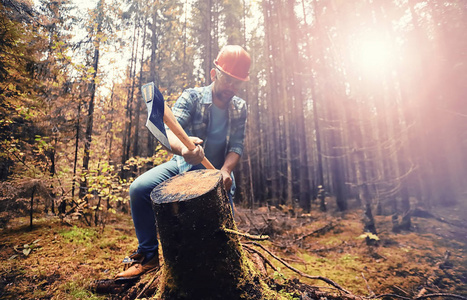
(224, 96)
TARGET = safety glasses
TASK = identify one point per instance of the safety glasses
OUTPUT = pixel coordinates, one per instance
(228, 80)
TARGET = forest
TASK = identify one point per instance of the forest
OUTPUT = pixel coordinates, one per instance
(357, 113)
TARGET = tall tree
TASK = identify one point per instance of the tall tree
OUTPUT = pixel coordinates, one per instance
(96, 34)
(299, 111)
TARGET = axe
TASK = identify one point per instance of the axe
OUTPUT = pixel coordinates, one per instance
(158, 114)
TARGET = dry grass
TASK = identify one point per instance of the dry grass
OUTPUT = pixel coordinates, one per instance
(64, 260)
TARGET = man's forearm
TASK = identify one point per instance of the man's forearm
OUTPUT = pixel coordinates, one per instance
(192, 156)
(175, 143)
(231, 161)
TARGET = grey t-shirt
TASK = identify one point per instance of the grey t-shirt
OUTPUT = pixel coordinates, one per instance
(214, 149)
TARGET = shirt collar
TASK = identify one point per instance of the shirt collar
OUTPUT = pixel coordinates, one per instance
(207, 97)
(207, 94)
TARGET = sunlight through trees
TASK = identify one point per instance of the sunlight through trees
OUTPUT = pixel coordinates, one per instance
(362, 100)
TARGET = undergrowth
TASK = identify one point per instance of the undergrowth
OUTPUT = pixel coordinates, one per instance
(65, 260)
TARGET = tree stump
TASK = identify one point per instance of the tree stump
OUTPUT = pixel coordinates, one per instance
(201, 260)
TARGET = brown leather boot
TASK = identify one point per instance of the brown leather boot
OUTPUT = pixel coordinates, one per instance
(137, 268)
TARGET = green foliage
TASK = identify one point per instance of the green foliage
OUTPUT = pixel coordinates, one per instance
(26, 249)
(18, 50)
(42, 145)
(289, 295)
(278, 276)
(105, 184)
(141, 162)
(281, 280)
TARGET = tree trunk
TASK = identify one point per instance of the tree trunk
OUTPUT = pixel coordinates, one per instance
(316, 113)
(273, 180)
(209, 56)
(299, 112)
(92, 91)
(128, 112)
(202, 260)
(151, 143)
(138, 101)
(88, 135)
(284, 96)
(132, 94)
(75, 161)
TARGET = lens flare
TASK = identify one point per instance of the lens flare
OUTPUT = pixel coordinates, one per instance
(372, 56)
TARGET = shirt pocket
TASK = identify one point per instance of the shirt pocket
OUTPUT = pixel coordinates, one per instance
(200, 124)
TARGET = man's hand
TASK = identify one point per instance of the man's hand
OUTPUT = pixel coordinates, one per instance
(227, 179)
(231, 160)
(196, 155)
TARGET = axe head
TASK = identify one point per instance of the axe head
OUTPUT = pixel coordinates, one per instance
(155, 104)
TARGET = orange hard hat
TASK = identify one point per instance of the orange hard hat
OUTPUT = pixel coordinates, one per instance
(234, 61)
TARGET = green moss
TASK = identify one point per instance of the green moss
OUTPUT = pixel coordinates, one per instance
(76, 290)
(108, 244)
(80, 236)
(348, 258)
(122, 237)
(40, 294)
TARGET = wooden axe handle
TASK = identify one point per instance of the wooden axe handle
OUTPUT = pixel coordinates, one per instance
(175, 127)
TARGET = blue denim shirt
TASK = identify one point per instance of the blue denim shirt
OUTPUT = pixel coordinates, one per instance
(192, 111)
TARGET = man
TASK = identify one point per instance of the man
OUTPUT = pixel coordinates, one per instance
(214, 118)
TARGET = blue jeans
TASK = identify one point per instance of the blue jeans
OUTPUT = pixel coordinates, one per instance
(141, 205)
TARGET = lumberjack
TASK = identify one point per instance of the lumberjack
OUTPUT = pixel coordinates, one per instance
(206, 130)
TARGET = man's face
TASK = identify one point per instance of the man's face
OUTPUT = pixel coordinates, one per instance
(225, 86)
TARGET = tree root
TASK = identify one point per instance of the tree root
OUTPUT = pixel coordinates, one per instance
(328, 281)
(247, 235)
(267, 261)
(444, 295)
(157, 275)
(321, 230)
(347, 295)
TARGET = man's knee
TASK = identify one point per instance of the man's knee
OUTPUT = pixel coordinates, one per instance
(144, 184)
(138, 188)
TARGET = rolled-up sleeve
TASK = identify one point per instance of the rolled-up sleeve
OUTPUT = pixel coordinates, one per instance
(183, 108)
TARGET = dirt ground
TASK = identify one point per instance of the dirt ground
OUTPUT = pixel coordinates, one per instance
(59, 261)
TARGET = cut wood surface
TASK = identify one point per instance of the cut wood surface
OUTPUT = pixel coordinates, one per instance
(184, 188)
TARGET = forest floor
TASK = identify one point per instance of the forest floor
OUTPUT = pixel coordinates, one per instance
(58, 261)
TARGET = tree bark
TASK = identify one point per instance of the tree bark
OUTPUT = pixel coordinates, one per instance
(273, 180)
(75, 160)
(128, 110)
(92, 91)
(284, 96)
(202, 260)
(138, 102)
(298, 118)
